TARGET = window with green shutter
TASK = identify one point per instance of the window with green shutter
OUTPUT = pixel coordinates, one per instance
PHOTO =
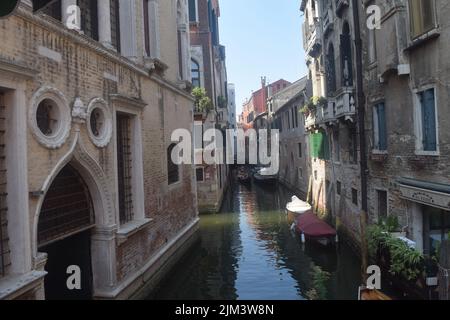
(428, 112)
(379, 127)
(320, 146)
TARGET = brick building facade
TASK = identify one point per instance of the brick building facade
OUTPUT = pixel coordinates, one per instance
(87, 117)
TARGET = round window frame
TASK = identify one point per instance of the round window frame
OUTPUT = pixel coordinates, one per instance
(59, 137)
(102, 140)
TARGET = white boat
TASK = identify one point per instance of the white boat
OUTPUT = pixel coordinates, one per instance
(297, 207)
(263, 175)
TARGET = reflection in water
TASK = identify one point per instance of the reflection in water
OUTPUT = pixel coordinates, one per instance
(249, 252)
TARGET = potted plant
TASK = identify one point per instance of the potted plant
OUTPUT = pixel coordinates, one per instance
(202, 101)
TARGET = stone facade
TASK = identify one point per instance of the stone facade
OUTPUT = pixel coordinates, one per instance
(80, 78)
(209, 58)
(329, 41)
(405, 90)
(401, 63)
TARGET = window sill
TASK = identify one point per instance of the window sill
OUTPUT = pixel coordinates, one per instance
(376, 151)
(422, 153)
(423, 39)
(127, 230)
(372, 65)
(19, 284)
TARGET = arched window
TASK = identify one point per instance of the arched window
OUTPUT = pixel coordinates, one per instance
(331, 70)
(195, 72)
(346, 56)
(173, 170)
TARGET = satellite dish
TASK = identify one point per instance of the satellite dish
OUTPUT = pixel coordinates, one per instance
(7, 7)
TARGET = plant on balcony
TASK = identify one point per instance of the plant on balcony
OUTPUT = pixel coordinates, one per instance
(313, 104)
(402, 260)
(222, 102)
(319, 101)
(202, 101)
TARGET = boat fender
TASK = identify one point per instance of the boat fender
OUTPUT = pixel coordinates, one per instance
(303, 238)
(293, 226)
(337, 239)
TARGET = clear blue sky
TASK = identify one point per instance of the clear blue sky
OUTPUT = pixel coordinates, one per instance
(262, 38)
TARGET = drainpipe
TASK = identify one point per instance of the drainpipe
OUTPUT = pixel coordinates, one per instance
(361, 105)
(362, 137)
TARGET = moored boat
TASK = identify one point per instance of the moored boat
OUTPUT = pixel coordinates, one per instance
(264, 176)
(311, 227)
(366, 294)
(243, 176)
(297, 207)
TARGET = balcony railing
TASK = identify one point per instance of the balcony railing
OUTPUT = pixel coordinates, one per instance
(312, 38)
(339, 107)
(345, 103)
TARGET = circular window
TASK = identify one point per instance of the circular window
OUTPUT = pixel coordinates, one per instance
(47, 117)
(97, 122)
(50, 119)
(100, 123)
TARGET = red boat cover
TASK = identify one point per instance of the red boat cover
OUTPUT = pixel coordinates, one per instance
(313, 226)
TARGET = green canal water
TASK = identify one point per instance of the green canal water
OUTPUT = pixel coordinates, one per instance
(248, 251)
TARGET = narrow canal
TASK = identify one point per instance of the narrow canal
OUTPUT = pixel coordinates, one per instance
(248, 251)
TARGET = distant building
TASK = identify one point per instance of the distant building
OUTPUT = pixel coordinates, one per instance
(285, 115)
(257, 103)
(232, 106)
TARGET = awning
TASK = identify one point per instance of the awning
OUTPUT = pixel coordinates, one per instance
(313, 227)
(429, 193)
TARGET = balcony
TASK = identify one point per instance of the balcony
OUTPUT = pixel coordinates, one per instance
(310, 121)
(329, 112)
(312, 38)
(314, 119)
(344, 104)
(340, 6)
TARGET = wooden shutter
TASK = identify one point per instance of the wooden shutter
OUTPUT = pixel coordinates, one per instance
(146, 27)
(428, 120)
(428, 15)
(115, 24)
(192, 11)
(317, 145)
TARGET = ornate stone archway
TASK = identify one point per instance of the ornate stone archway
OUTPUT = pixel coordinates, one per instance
(103, 235)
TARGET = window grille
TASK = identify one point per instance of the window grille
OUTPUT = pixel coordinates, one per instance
(124, 161)
(89, 17)
(4, 246)
(54, 10)
(67, 208)
(172, 169)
